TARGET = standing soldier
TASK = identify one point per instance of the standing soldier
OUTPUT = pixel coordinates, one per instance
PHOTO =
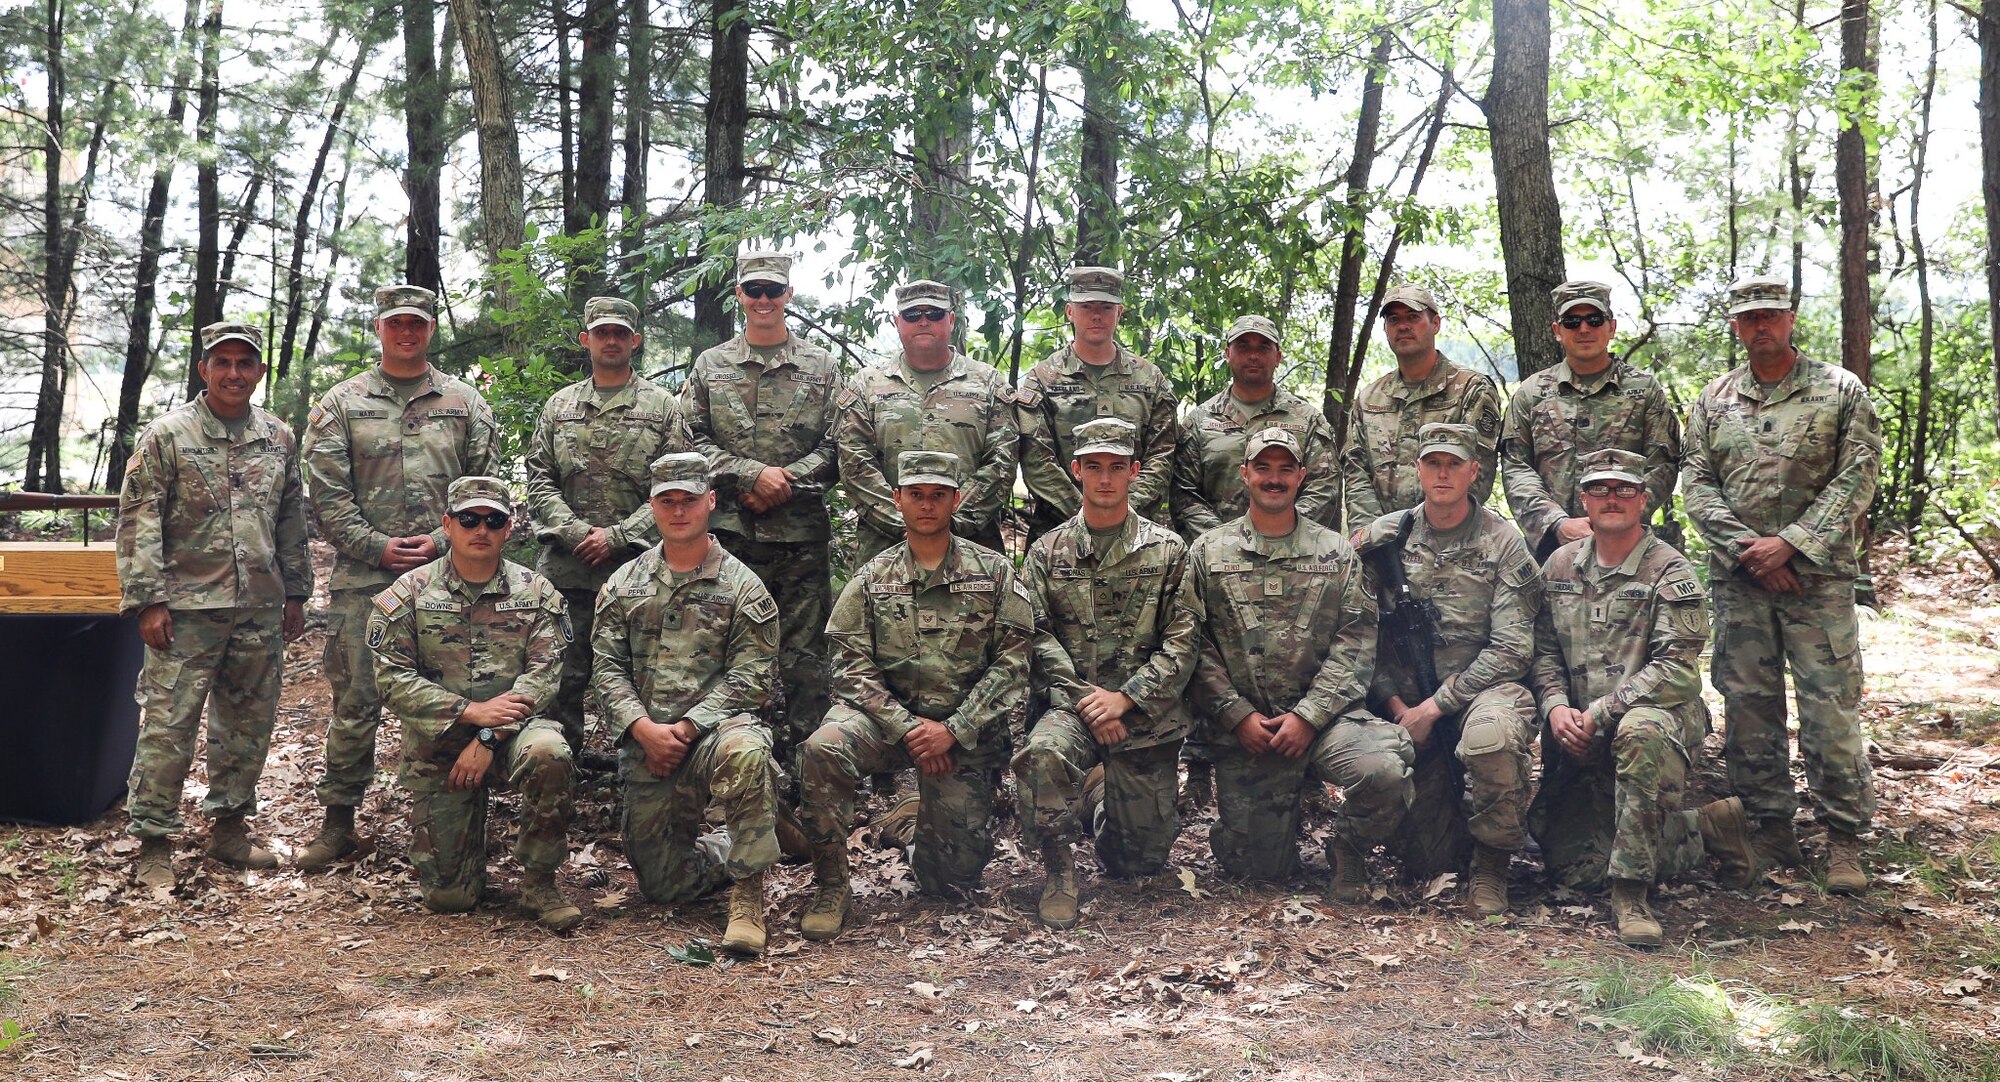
(1621, 635)
(1782, 456)
(1470, 564)
(212, 560)
(1378, 461)
(929, 398)
(1587, 403)
(930, 665)
(468, 651)
(380, 449)
(687, 639)
(587, 487)
(1116, 634)
(1288, 651)
(1094, 376)
(761, 407)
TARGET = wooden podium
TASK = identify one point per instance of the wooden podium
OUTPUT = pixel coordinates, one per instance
(58, 577)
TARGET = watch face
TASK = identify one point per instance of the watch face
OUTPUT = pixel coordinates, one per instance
(486, 737)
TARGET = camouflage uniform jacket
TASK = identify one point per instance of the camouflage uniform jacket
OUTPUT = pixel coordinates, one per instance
(207, 523)
(1063, 392)
(1488, 592)
(1123, 619)
(702, 648)
(379, 470)
(951, 645)
(745, 416)
(442, 643)
(1557, 416)
(1288, 626)
(1797, 460)
(1208, 484)
(1613, 638)
(588, 466)
(969, 411)
(1378, 463)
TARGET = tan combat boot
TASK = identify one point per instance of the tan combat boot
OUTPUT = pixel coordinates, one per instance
(898, 826)
(746, 916)
(1725, 833)
(1777, 844)
(791, 837)
(1489, 880)
(827, 912)
(540, 896)
(1350, 872)
(1058, 909)
(154, 866)
(336, 839)
(229, 841)
(1637, 927)
(1846, 868)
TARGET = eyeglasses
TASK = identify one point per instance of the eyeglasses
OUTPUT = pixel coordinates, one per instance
(1603, 489)
(922, 315)
(764, 291)
(1594, 319)
(494, 520)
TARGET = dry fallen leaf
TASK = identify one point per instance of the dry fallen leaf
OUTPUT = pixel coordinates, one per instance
(1187, 883)
(1439, 885)
(1026, 1006)
(611, 900)
(693, 1039)
(540, 974)
(1384, 962)
(925, 989)
(1803, 927)
(1628, 1050)
(920, 1058)
(837, 1037)
(1788, 898)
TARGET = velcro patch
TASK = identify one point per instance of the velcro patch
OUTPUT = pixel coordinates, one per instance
(1563, 586)
(367, 415)
(973, 586)
(562, 624)
(451, 411)
(763, 610)
(901, 589)
(846, 396)
(1028, 396)
(1681, 590)
(377, 631)
(517, 603)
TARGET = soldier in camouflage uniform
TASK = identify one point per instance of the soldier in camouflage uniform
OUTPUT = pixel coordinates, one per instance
(1781, 467)
(929, 398)
(930, 668)
(687, 644)
(1116, 634)
(1470, 563)
(212, 561)
(587, 487)
(1094, 376)
(1288, 651)
(761, 407)
(1615, 675)
(1378, 461)
(468, 653)
(380, 448)
(1589, 402)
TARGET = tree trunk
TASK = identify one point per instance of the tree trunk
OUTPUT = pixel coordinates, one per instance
(565, 118)
(1852, 151)
(295, 278)
(246, 213)
(1989, 160)
(1028, 227)
(596, 93)
(1354, 239)
(1927, 332)
(302, 382)
(423, 104)
(1101, 66)
(44, 473)
(728, 123)
(638, 107)
(503, 221)
(1517, 116)
(208, 215)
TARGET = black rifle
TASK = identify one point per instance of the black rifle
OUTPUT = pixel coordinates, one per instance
(1410, 630)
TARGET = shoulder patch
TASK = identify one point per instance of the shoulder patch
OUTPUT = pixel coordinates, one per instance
(1521, 574)
(1028, 396)
(378, 629)
(1681, 589)
(762, 611)
(847, 397)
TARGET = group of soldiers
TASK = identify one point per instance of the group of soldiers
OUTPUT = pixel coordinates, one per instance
(1188, 601)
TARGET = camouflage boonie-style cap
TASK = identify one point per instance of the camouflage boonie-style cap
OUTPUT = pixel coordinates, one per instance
(1460, 440)
(215, 334)
(1612, 464)
(473, 491)
(1272, 437)
(597, 311)
(401, 300)
(927, 468)
(924, 293)
(1088, 284)
(1106, 436)
(764, 267)
(1570, 294)
(680, 471)
(1250, 325)
(1416, 298)
(1750, 294)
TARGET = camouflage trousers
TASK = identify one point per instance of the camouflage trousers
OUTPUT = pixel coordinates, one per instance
(1495, 732)
(448, 829)
(567, 710)
(796, 574)
(1257, 798)
(232, 660)
(1138, 822)
(1756, 634)
(1616, 814)
(357, 705)
(664, 816)
(954, 813)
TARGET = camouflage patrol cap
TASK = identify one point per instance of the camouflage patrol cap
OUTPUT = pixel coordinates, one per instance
(1088, 284)
(924, 293)
(598, 311)
(1612, 464)
(473, 491)
(406, 300)
(1416, 298)
(1106, 436)
(927, 468)
(1250, 325)
(1272, 437)
(1459, 440)
(1750, 294)
(1571, 294)
(764, 267)
(215, 334)
(680, 471)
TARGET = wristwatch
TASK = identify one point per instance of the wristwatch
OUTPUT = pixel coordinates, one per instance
(490, 740)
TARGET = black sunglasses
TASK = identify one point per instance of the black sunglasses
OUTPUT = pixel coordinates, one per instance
(764, 291)
(1595, 319)
(494, 520)
(922, 315)
(1601, 489)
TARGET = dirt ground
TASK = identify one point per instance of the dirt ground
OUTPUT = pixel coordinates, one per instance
(342, 976)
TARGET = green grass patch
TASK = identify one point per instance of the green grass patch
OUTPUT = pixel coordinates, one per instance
(1844, 1040)
(1676, 1015)
(12, 969)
